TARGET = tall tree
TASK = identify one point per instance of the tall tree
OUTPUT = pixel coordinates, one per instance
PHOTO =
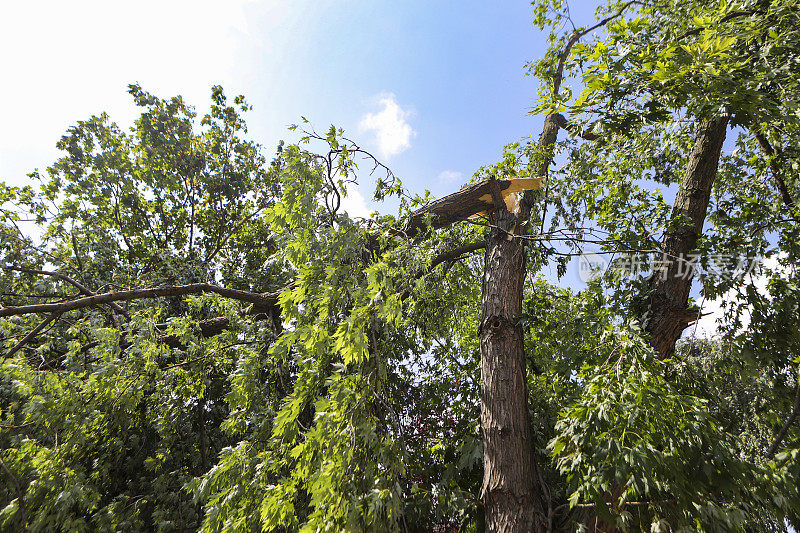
(199, 338)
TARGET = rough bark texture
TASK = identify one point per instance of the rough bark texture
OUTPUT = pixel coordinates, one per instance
(508, 480)
(512, 493)
(667, 314)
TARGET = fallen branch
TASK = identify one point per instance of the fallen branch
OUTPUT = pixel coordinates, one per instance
(263, 303)
(472, 200)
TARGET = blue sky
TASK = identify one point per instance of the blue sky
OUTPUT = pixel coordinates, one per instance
(435, 88)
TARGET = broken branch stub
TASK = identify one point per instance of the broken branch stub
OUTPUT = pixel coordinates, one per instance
(471, 201)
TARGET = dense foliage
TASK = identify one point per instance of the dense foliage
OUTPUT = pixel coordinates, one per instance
(353, 402)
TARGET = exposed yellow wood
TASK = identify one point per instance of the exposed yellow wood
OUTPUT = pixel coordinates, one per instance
(511, 194)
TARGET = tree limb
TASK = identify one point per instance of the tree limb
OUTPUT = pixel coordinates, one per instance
(555, 121)
(214, 326)
(576, 36)
(471, 200)
(208, 328)
(562, 123)
(67, 279)
(266, 300)
(262, 303)
(32, 333)
(667, 313)
(786, 425)
(726, 18)
(777, 175)
(451, 255)
(20, 492)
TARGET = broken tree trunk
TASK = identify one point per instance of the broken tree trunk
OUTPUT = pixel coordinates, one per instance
(473, 199)
(667, 314)
(513, 493)
(510, 503)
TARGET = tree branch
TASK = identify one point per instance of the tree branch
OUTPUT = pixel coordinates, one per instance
(260, 300)
(471, 200)
(777, 175)
(452, 254)
(576, 36)
(208, 328)
(32, 333)
(553, 122)
(786, 425)
(20, 493)
(562, 123)
(262, 303)
(726, 18)
(67, 279)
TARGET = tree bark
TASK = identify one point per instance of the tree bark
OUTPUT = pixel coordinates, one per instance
(668, 315)
(510, 503)
(513, 492)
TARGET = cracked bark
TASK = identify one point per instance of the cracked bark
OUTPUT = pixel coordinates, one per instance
(668, 313)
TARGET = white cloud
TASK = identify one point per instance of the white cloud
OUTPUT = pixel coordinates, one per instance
(393, 133)
(354, 203)
(450, 176)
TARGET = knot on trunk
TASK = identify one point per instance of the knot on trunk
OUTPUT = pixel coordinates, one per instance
(494, 325)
